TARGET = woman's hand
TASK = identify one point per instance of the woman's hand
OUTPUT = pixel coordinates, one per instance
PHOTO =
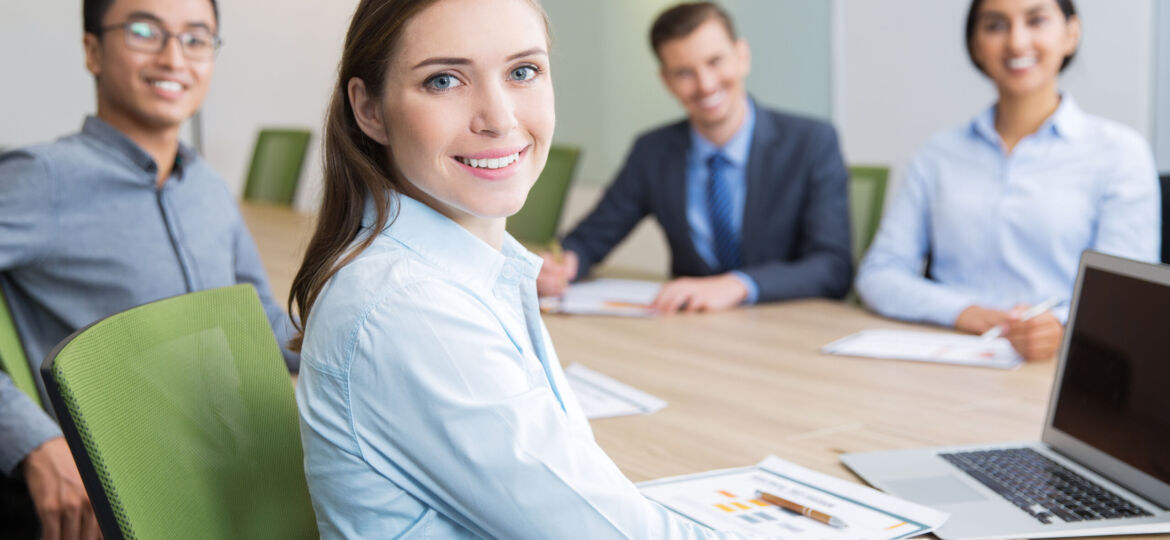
(977, 320)
(1037, 338)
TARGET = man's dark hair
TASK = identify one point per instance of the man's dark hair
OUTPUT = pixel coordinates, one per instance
(679, 21)
(1066, 7)
(93, 11)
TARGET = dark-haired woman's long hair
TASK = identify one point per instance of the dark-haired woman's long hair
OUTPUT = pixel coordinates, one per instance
(356, 167)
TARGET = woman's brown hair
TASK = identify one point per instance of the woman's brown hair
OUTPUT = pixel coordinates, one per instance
(356, 167)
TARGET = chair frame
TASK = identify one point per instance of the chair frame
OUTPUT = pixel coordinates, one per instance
(102, 509)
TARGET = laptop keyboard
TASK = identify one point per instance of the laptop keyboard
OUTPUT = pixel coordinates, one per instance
(1041, 487)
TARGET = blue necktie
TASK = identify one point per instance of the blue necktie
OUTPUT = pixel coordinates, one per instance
(719, 208)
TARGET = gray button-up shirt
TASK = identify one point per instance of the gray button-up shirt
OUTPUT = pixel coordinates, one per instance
(86, 233)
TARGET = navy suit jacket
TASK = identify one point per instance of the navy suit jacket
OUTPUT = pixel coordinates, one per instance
(796, 233)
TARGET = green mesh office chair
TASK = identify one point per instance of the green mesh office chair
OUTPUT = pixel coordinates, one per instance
(536, 223)
(12, 359)
(181, 416)
(276, 165)
(867, 195)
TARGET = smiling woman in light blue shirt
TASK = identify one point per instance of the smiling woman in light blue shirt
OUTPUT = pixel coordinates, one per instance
(432, 404)
(1005, 204)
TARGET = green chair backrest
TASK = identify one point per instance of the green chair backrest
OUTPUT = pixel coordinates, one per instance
(12, 358)
(276, 165)
(536, 223)
(182, 419)
(867, 195)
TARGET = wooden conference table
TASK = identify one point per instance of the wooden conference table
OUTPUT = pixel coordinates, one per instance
(750, 382)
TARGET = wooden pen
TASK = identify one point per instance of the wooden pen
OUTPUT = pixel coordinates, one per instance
(801, 509)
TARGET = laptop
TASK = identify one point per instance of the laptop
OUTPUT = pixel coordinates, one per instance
(1102, 465)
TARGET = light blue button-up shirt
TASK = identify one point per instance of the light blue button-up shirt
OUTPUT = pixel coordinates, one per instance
(85, 232)
(1005, 229)
(737, 151)
(432, 404)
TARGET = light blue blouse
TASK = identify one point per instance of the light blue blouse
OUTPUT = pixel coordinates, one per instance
(432, 404)
(1005, 229)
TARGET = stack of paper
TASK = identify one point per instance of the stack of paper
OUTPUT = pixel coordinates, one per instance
(726, 500)
(621, 297)
(927, 347)
(602, 397)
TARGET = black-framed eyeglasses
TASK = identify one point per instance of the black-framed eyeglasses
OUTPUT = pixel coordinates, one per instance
(151, 37)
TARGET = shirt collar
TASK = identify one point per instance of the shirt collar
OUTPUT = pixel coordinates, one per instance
(445, 244)
(736, 149)
(1068, 121)
(108, 135)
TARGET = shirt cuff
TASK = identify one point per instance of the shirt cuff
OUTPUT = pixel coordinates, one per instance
(23, 428)
(753, 290)
(945, 309)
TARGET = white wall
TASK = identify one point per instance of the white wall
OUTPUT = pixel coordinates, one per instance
(46, 90)
(1162, 89)
(902, 72)
(275, 70)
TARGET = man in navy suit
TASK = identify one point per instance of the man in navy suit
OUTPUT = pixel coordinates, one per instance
(753, 201)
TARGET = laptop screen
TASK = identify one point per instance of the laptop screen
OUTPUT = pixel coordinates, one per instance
(1115, 391)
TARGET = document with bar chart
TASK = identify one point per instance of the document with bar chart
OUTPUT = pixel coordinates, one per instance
(726, 500)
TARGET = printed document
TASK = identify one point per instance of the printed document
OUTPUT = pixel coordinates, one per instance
(603, 397)
(619, 297)
(928, 347)
(726, 500)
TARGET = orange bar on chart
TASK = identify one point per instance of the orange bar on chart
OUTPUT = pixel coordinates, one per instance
(724, 493)
(758, 502)
(725, 508)
(741, 506)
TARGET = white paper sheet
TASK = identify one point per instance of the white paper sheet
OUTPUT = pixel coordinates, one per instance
(603, 397)
(927, 347)
(619, 297)
(725, 500)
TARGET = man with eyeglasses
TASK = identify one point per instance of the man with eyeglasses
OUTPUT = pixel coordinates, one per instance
(115, 216)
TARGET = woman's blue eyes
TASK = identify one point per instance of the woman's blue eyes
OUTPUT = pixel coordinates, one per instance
(447, 81)
(523, 73)
(442, 81)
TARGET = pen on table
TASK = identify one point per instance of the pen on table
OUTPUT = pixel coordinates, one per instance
(802, 509)
(1030, 313)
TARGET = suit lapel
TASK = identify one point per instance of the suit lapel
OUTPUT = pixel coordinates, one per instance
(675, 188)
(756, 202)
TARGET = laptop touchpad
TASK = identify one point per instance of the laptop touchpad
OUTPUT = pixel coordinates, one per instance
(931, 490)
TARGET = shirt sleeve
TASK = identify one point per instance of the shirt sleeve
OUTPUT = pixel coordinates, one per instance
(619, 210)
(753, 290)
(24, 426)
(249, 269)
(1130, 213)
(446, 405)
(26, 213)
(890, 279)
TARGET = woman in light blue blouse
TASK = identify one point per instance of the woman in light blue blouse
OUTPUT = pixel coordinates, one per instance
(431, 402)
(1005, 204)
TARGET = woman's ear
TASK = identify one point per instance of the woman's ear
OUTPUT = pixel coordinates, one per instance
(367, 111)
(1073, 39)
